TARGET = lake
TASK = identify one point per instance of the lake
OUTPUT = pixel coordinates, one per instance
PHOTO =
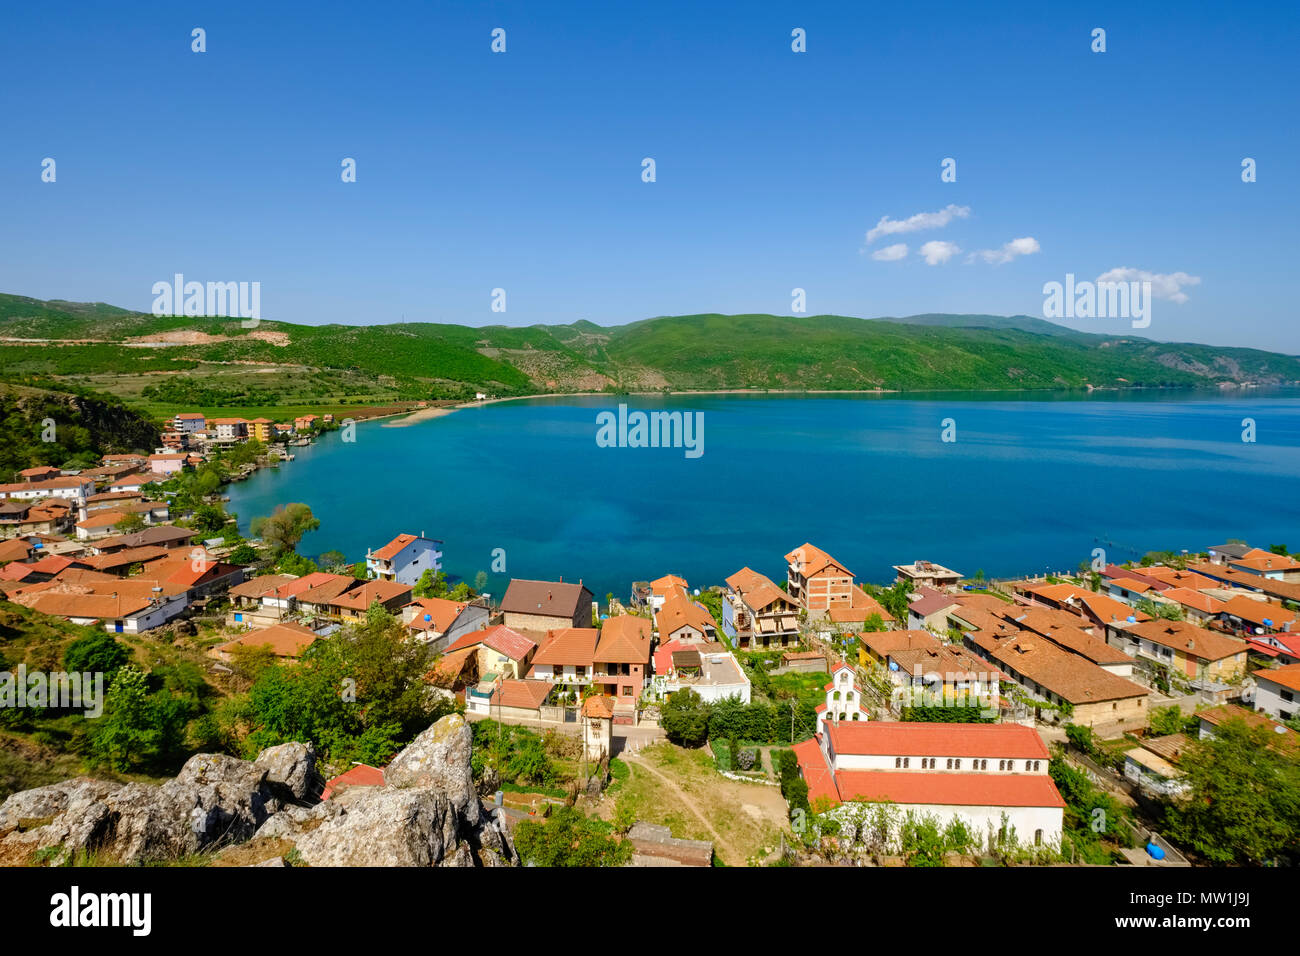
(1030, 482)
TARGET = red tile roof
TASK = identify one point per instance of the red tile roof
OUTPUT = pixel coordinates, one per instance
(899, 738)
(812, 764)
(500, 638)
(361, 775)
(949, 789)
(1288, 676)
(569, 645)
(394, 547)
(624, 640)
(435, 614)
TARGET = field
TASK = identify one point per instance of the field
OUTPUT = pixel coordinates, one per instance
(679, 789)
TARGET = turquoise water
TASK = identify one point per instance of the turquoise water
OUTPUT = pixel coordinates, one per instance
(1030, 483)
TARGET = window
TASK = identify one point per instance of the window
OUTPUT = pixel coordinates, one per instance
(1038, 838)
(984, 765)
(956, 764)
(949, 763)
(1286, 694)
(1002, 765)
(1029, 765)
(898, 762)
(1035, 764)
(855, 715)
(906, 761)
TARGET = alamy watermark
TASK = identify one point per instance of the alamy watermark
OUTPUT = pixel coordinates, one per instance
(76, 690)
(230, 299)
(1098, 300)
(639, 429)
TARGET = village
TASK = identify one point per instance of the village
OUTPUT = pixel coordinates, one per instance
(842, 707)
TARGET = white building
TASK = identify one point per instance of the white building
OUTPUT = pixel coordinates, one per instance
(1277, 691)
(843, 699)
(992, 776)
(405, 558)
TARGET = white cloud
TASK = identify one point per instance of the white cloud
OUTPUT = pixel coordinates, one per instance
(890, 253)
(937, 251)
(922, 220)
(1163, 285)
(1025, 246)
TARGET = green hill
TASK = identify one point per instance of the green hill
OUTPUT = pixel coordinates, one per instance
(96, 346)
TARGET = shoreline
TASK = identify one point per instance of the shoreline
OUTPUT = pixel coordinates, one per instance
(426, 414)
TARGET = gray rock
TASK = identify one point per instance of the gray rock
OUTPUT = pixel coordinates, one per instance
(439, 758)
(291, 768)
(382, 826)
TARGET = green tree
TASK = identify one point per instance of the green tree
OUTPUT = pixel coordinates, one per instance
(126, 733)
(1169, 720)
(96, 653)
(432, 584)
(1243, 804)
(285, 527)
(129, 523)
(685, 718)
(568, 838)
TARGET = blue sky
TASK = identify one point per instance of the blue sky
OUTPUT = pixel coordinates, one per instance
(522, 170)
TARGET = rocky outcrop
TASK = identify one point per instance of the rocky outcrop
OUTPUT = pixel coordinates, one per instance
(427, 814)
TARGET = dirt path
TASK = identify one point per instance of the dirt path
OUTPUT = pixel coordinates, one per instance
(718, 842)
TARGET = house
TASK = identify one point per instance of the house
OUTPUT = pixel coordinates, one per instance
(405, 558)
(165, 536)
(500, 650)
(91, 598)
(305, 595)
(354, 603)
(993, 777)
(304, 423)
(134, 481)
(816, 581)
(246, 608)
(622, 663)
(439, 622)
(287, 641)
(1131, 590)
(1072, 633)
(261, 429)
(862, 607)
(656, 592)
(948, 675)
(40, 473)
(1223, 553)
(681, 619)
(165, 465)
(1266, 564)
(1277, 691)
(927, 574)
(1284, 738)
(187, 422)
(708, 669)
(1198, 607)
(843, 699)
(546, 605)
(1153, 765)
(1249, 617)
(1195, 653)
(1097, 698)
(929, 610)
(230, 431)
(566, 658)
(70, 487)
(875, 647)
(504, 699)
(1099, 608)
(756, 614)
